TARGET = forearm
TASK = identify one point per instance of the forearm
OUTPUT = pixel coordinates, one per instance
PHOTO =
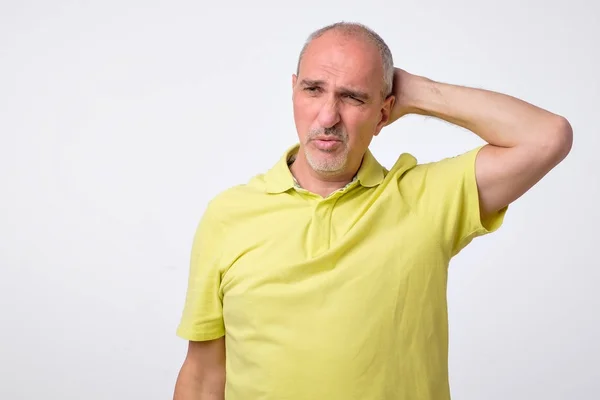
(499, 119)
(195, 384)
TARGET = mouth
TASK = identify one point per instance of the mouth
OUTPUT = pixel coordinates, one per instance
(327, 144)
(327, 139)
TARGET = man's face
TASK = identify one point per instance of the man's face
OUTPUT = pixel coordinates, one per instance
(338, 103)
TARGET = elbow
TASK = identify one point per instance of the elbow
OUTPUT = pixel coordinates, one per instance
(557, 140)
(562, 138)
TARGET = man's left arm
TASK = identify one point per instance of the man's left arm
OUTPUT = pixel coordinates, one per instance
(524, 141)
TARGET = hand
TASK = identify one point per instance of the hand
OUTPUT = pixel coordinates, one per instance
(403, 88)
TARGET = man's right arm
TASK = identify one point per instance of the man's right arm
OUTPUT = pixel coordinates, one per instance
(202, 375)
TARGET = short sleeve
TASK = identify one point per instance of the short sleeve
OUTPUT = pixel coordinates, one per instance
(202, 317)
(449, 201)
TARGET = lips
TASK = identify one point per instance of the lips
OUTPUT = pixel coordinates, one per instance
(327, 144)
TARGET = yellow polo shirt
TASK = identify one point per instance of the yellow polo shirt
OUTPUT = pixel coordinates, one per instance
(334, 298)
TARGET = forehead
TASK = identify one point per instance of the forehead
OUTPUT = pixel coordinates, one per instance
(342, 60)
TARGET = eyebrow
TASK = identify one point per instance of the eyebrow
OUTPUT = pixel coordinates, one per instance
(344, 90)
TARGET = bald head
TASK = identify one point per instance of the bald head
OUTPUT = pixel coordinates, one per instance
(352, 30)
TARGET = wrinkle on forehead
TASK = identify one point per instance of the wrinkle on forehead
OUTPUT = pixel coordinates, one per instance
(348, 61)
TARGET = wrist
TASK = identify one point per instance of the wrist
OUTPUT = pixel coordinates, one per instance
(418, 94)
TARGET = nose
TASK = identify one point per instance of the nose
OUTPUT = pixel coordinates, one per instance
(329, 114)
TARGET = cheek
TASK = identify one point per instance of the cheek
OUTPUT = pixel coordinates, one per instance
(304, 115)
(361, 130)
(360, 124)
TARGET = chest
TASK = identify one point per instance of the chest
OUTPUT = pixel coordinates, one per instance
(278, 251)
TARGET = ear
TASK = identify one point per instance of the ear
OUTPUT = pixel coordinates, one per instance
(386, 111)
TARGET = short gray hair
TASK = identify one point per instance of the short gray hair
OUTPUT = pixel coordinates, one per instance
(357, 29)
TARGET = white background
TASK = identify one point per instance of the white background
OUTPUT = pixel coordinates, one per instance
(119, 120)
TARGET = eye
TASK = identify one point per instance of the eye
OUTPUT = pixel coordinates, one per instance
(312, 89)
(353, 99)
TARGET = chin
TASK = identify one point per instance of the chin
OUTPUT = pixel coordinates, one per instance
(324, 162)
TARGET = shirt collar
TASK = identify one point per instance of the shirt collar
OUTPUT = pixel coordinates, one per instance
(279, 178)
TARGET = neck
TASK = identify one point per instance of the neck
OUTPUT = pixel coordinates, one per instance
(315, 182)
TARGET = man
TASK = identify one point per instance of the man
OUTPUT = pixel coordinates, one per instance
(325, 277)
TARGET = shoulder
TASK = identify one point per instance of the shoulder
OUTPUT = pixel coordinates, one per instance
(236, 202)
(438, 181)
(444, 170)
(228, 199)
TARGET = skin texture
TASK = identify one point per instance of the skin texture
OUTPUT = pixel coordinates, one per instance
(337, 95)
(202, 375)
